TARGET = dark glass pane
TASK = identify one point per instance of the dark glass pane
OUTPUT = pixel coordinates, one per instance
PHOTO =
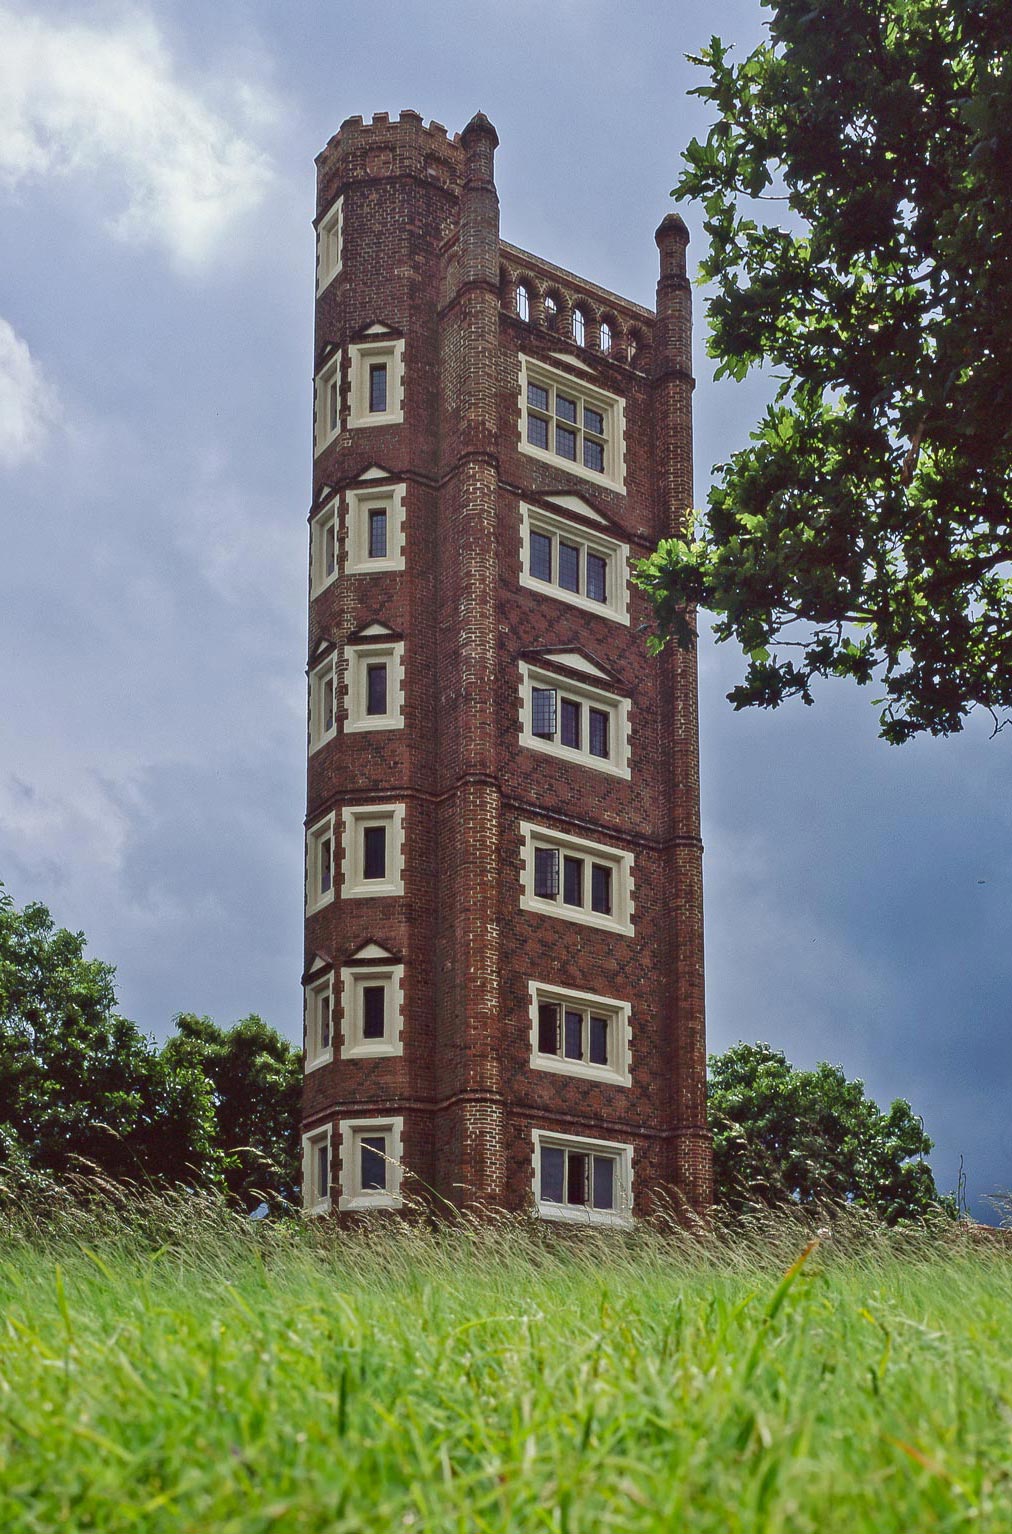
(599, 733)
(571, 724)
(322, 1171)
(324, 1021)
(376, 688)
(541, 557)
(328, 704)
(375, 852)
(330, 549)
(577, 1177)
(548, 1029)
(593, 455)
(579, 327)
(593, 421)
(374, 1166)
(377, 387)
(377, 535)
(373, 1011)
(325, 866)
(546, 872)
(537, 431)
(553, 1173)
(569, 566)
(565, 442)
(604, 1182)
(597, 577)
(574, 1035)
(600, 889)
(537, 396)
(332, 396)
(565, 408)
(543, 712)
(572, 881)
(598, 1052)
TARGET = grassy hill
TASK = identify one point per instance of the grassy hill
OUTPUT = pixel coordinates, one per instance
(172, 1367)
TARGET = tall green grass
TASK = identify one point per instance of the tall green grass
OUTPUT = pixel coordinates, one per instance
(169, 1366)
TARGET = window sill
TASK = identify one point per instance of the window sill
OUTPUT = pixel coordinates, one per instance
(322, 1206)
(573, 598)
(369, 1201)
(573, 913)
(574, 757)
(325, 1059)
(375, 888)
(379, 1050)
(568, 1214)
(378, 418)
(318, 905)
(568, 466)
(366, 726)
(559, 1066)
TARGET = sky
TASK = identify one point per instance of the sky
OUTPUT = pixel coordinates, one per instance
(156, 301)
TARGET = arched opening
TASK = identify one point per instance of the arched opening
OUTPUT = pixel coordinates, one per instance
(523, 303)
(579, 327)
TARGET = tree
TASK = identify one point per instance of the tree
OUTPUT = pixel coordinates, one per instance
(255, 1078)
(865, 530)
(812, 1136)
(77, 1081)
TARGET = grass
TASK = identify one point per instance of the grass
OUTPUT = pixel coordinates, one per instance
(168, 1366)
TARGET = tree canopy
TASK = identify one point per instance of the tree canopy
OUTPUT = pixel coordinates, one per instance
(812, 1136)
(79, 1084)
(864, 530)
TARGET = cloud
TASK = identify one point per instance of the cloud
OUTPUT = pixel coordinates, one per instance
(26, 400)
(107, 104)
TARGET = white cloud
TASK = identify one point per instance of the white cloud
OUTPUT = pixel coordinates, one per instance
(26, 401)
(79, 100)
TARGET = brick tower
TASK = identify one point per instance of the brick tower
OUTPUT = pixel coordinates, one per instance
(504, 964)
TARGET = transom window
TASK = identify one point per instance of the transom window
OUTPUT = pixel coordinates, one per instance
(587, 569)
(578, 1179)
(577, 1033)
(572, 423)
(577, 880)
(371, 1163)
(574, 722)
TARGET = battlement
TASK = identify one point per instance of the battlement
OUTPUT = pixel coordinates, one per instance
(401, 146)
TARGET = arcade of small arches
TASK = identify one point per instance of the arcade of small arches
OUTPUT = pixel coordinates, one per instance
(548, 306)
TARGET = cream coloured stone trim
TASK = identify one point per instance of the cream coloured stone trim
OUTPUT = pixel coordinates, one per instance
(353, 982)
(363, 355)
(357, 659)
(327, 404)
(353, 1195)
(583, 1214)
(323, 701)
(321, 857)
(616, 708)
(360, 500)
(620, 863)
(357, 819)
(313, 1200)
(330, 245)
(615, 555)
(323, 540)
(620, 1033)
(611, 406)
(318, 995)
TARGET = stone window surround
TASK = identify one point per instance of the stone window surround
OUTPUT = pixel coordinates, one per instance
(357, 657)
(360, 498)
(324, 518)
(583, 1214)
(354, 977)
(316, 898)
(388, 349)
(356, 817)
(311, 1142)
(314, 989)
(611, 406)
(329, 245)
(621, 864)
(618, 1013)
(324, 432)
(319, 675)
(351, 1196)
(615, 554)
(617, 708)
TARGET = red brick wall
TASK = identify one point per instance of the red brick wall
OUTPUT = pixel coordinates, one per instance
(422, 255)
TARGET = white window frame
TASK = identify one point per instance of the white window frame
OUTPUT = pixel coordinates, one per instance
(361, 499)
(352, 1196)
(614, 553)
(323, 433)
(584, 1214)
(316, 897)
(620, 1028)
(357, 659)
(330, 245)
(617, 709)
(312, 1202)
(319, 676)
(354, 979)
(327, 517)
(621, 864)
(357, 818)
(363, 355)
(315, 991)
(611, 406)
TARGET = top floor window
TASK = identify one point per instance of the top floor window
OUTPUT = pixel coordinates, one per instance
(579, 327)
(606, 338)
(523, 303)
(572, 425)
